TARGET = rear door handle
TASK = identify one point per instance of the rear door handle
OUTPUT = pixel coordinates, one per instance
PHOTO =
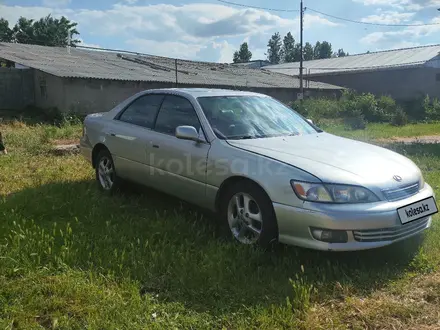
(155, 146)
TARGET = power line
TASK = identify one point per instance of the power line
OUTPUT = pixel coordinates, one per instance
(325, 14)
(369, 23)
(256, 7)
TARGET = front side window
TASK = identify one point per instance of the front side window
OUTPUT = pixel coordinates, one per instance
(247, 117)
(142, 111)
(176, 111)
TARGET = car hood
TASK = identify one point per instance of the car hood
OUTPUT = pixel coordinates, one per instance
(334, 159)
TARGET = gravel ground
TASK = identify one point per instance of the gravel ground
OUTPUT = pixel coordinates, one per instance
(427, 139)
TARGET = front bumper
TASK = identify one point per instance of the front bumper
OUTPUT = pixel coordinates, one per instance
(85, 149)
(368, 225)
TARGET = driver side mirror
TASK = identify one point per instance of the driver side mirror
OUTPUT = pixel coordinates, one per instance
(187, 133)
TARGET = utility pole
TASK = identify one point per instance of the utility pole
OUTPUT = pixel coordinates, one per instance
(175, 63)
(301, 89)
(69, 40)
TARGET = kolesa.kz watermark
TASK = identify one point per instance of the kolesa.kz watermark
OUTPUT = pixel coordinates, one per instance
(189, 165)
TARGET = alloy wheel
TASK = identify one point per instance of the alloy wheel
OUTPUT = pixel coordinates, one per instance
(106, 173)
(245, 218)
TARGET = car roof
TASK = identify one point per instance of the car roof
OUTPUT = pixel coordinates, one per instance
(199, 92)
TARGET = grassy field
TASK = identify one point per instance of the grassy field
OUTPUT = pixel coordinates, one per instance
(73, 258)
(385, 131)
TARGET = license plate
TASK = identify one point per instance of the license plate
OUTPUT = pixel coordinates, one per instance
(417, 210)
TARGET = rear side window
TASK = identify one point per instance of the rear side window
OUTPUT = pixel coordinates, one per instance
(176, 111)
(142, 112)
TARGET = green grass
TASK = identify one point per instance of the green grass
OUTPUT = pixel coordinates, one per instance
(385, 131)
(74, 258)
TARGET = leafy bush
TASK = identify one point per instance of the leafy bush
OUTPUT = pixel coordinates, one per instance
(400, 118)
(300, 107)
(431, 108)
(366, 104)
(355, 120)
(317, 109)
(434, 114)
(52, 115)
(356, 110)
(387, 107)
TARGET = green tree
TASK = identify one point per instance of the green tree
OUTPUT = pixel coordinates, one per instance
(322, 50)
(297, 53)
(23, 31)
(274, 49)
(5, 31)
(325, 50)
(242, 55)
(288, 50)
(317, 50)
(341, 53)
(308, 51)
(47, 31)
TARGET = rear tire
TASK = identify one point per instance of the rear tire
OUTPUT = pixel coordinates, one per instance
(248, 213)
(105, 172)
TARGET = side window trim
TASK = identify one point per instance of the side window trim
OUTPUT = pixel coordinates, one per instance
(118, 116)
(186, 99)
(153, 128)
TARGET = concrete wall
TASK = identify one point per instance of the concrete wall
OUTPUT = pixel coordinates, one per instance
(401, 84)
(16, 88)
(95, 95)
(49, 90)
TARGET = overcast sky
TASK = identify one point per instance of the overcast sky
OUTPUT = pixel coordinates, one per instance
(211, 31)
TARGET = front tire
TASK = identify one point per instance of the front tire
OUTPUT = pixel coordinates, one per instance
(106, 173)
(249, 214)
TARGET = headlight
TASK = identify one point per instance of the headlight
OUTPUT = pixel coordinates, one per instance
(332, 193)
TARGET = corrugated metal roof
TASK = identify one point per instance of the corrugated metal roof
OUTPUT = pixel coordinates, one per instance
(398, 58)
(82, 63)
(256, 64)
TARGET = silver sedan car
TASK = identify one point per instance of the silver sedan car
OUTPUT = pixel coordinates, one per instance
(270, 174)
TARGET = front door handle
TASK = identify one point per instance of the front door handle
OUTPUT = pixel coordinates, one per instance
(155, 146)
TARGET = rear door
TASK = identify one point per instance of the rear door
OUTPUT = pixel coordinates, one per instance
(179, 165)
(129, 136)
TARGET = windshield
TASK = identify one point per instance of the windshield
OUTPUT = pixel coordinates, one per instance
(249, 117)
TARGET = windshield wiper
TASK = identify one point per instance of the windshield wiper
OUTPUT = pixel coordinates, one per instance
(243, 137)
(219, 134)
(280, 135)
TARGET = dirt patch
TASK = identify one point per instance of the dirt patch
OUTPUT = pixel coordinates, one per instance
(66, 149)
(426, 139)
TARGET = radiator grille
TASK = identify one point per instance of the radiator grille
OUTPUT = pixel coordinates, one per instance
(401, 192)
(390, 234)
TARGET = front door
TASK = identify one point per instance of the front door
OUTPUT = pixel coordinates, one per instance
(178, 166)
